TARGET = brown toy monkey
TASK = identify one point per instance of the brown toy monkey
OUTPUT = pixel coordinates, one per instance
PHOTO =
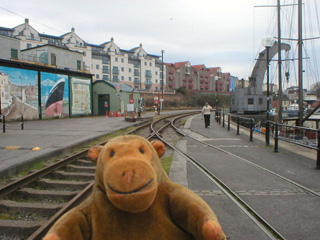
(133, 199)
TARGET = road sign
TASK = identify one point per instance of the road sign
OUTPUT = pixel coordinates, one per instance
(131, 100)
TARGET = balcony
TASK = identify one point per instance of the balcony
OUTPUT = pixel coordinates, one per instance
(185, 85)
(184, 80)
(190, 85)
(171, 77)
(136, 81)
(148, 83)
(148, 75)
(171, 71)
(201, 81)
(115, 71)
(190, 80)
(170, 84)
(136, 65)
(136, 74)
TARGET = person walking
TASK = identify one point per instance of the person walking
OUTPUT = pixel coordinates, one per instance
(206, 111)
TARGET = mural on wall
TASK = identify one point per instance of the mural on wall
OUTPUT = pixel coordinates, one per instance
(54, 95)
(19, 93)
(81, 96)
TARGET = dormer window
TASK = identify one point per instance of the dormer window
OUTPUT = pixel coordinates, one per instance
(32, 36)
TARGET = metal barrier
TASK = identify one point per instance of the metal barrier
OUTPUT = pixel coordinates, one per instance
(302, 136)
(220, 114)
(4, 123)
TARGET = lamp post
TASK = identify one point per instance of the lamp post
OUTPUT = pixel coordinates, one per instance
(162, 77)
(268, 42)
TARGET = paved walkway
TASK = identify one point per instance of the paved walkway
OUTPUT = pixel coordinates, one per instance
(293, 212)
(52, 137)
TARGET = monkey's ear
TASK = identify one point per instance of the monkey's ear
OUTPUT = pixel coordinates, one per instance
(93, 153)
(159, 147)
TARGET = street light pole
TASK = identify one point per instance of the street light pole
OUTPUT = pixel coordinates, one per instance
(162, 83)
(268, 42)
(268, 100)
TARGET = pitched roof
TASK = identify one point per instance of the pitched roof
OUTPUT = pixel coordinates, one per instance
(125, 87)
(198, 67)
(178, 65)
(214, 69)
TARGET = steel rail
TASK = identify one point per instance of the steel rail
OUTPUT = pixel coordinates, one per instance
(40, 232)
(256, 218)
(254, 165)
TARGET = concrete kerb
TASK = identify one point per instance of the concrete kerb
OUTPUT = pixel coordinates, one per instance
(23, 164)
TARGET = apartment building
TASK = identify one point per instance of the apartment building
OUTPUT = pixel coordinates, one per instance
(198, 78)
(106, 61)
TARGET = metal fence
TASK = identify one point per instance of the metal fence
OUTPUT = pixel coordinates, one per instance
(302, 136)
(4, 122)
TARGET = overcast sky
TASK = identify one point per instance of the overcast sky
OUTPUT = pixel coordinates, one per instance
(217, 33)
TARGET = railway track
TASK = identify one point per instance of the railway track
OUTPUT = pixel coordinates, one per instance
(268, 226)
(70, 181)
(30, 205)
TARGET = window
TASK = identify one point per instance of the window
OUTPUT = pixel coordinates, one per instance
(156, 72)
(105, 69)
(260, 101)
(14, 53)
(105, 60)
(115, 78)
(97, 76)
(129, 69)
(78, 65)
(84, 53)
(97, 66)
(116, 59)
(130, 79)
(53, 59)
(122, 69)
(32, 36)
(150, 64)
(148, 74)
(145, 63)
(156, 80)
(122, 60)
(250, 101)
(29, 45)
(122, 78)
(105, 77)
(115, 70)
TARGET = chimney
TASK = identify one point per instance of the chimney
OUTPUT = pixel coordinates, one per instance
(26, 21)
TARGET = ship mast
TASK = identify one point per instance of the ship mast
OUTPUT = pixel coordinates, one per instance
(279, 66)
(300, 70)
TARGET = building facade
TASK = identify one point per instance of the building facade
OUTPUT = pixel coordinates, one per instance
(106, 61)
(198, 78)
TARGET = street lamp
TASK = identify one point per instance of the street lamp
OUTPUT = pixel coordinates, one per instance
(162, 79)
(268, 42)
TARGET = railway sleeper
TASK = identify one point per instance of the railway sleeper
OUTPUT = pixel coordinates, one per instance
(72, 176)
(49, 184)
(29, 194)
(74, 168)
(83, 162)
(40, 209)
(18, 229)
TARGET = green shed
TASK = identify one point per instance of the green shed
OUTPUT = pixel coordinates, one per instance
(106, 98)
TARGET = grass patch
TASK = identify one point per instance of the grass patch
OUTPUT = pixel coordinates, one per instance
(183, 122)
(166, 163)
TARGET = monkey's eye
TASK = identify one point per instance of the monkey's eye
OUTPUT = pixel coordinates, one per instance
(111, 153)
(141, 150)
